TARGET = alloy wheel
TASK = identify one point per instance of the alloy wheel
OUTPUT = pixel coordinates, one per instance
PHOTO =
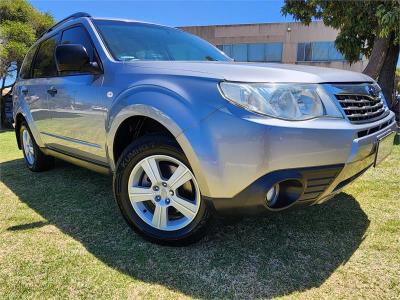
(164, 192)
(28, 147)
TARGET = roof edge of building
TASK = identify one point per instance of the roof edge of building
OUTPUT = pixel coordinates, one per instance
(245, 24)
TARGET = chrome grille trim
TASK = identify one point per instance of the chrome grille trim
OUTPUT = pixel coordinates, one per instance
(361, 108)
(351, 108)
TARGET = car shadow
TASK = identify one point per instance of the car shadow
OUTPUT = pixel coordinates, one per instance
(5, 130)
(262, 256)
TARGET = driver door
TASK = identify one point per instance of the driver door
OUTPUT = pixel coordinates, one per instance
(77, 107)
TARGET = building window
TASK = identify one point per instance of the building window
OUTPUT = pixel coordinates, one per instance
(273, 52)
(227, 50)
(318, 51)
(239, 52)
(257, 52)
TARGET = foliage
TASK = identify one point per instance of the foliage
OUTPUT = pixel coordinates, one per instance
(359, 22)
(388, 15)
(21, 24)
(398, 80)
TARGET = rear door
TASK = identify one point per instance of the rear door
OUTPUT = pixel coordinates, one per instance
(34, 87)
(77, 106)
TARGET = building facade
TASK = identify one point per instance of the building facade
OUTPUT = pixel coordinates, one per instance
(292, 43)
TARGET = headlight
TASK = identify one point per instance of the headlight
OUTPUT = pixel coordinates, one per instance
(286, 101)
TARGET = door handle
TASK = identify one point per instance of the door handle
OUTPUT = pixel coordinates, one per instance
(24, 91)
(52, 91)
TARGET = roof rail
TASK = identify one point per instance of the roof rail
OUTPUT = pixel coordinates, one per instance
(71, 17)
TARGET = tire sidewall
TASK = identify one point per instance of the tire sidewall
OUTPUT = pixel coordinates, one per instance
(133, 155)
(24, 127)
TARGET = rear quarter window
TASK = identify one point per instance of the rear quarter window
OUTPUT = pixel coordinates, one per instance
(25, 71)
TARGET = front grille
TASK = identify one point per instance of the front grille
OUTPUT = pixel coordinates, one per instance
(361, 108)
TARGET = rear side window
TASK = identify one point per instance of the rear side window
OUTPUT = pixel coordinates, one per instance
(78, 35)
(25, 71)
(45, 63)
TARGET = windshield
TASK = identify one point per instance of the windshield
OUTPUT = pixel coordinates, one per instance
(129, 41)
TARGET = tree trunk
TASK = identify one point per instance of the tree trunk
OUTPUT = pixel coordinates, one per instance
(388, 73)
(2, 121)
(377, 58)
(382, 67)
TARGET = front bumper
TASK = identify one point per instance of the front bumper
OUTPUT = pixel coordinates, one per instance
(237, 156)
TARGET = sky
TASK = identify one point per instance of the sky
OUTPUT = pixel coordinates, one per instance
(172, 13)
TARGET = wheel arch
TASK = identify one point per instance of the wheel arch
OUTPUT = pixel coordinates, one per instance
(122, 128)
(19, 118)
(22, 113)
(134, 127)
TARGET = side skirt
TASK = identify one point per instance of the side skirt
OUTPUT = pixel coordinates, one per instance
(91, 165)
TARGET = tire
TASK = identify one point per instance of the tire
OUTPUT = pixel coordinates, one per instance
(182, 227)
(35, 159)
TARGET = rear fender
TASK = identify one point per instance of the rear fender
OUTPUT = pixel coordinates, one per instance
(23, 110)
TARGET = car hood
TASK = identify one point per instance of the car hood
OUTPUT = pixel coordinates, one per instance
(251, 72)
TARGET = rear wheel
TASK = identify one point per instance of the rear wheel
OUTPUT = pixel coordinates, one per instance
(158, 193)
(35, 159)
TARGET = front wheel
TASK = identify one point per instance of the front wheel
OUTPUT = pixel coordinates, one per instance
(158, 193)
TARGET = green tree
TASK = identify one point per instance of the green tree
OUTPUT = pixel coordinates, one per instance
(370, 28)
(21, 24)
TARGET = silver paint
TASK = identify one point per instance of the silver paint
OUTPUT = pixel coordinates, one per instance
(228, 148)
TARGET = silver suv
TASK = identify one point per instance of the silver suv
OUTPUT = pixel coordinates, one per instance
(185, 131)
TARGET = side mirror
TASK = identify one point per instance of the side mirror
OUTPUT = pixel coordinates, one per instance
(74, 58)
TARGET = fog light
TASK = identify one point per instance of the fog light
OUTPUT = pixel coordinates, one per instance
(272, 195)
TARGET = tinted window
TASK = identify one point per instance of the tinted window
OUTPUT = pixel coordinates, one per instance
(318, 51)
(239, 52)
(78, 35)
(334, 54)
(45, 63)
(258, 52)
(136, 41)
(273, 52)
(227, 50)
(300, 51)
(25, 71)
(308, 52)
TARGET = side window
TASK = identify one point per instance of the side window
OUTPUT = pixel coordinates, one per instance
(45, 63)
(25, 71)
(78, 35)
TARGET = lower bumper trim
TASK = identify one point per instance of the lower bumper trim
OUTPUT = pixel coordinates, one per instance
(315, 181)
(349, 180)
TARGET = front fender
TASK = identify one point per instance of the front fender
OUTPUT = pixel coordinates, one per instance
(173, 111)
